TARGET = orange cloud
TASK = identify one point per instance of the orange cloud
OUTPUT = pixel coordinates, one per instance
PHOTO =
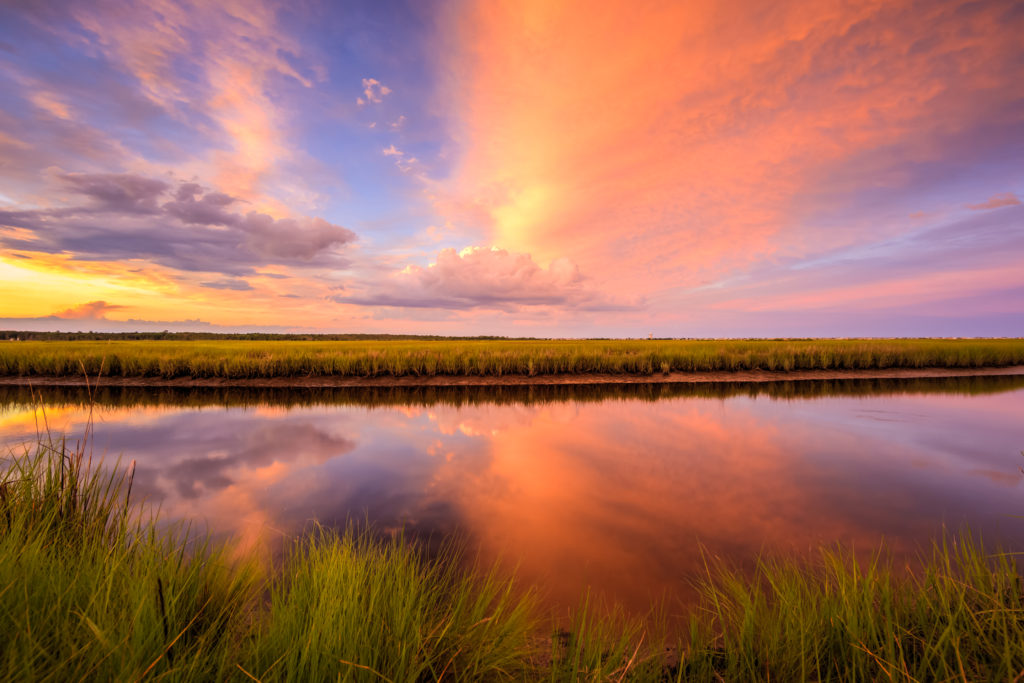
(51, 104)
(600, 494)
(94, 310)
(665, 143)
(996, 201)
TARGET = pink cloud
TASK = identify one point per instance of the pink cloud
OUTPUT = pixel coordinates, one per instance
(996, 201)
(692, 143)
(220, 59)
(51, 104)
(373, 92)
(480, 277)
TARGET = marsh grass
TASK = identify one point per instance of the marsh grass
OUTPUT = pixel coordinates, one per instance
(90, 589)
(602, 643)
(352, 607)
(272, 359)
(959, 618)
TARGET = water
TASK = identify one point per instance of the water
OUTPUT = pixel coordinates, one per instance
(613, 488)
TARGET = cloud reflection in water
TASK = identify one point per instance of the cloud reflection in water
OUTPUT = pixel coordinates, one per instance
(615, 494)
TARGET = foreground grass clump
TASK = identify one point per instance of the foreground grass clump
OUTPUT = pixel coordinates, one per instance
(92, 589)
(353, 608)
(960, 618)
(271, 359)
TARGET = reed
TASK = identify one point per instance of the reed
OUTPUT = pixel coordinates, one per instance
(90, 590)
(490, 358)
(959, 618)
(350, 606)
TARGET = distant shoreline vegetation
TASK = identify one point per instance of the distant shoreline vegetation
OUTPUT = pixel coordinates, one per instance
(225, 358)
(166, 335)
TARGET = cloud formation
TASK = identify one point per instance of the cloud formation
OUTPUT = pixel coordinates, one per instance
(668, 144)
(93, 310)
(125, 216)
(737, 167)
(116, 192)
(373, 92)
(218, 62)
(996, 201)
(54, 323)
(479, 277)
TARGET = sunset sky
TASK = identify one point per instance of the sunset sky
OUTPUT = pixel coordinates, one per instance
(525, 168)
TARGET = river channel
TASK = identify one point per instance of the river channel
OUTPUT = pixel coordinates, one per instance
(624, 490)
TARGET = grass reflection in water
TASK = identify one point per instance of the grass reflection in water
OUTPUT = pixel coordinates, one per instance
(457, 396)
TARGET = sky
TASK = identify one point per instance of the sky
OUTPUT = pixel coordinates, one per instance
(522, 168)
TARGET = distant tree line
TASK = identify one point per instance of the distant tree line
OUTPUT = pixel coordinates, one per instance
(16, 335)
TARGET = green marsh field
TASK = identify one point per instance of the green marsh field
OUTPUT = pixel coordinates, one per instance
(232, 359)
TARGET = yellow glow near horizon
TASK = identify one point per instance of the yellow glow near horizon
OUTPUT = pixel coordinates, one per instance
(48, 284)
(31, 289)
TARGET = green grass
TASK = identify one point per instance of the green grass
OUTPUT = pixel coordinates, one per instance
(269, 359)
(348, 605)
(92, 589)
(959, 618)
(89, 590)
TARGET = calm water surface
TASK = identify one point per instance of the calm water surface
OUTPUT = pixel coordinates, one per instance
(614, 488)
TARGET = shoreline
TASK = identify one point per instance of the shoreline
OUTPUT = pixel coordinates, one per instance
(511, 380)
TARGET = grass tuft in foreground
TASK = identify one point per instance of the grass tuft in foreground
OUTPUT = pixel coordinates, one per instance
(960, 618)
(91, 588)
(352, 607)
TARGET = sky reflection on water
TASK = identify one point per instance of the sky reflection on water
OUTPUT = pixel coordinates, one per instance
(616, 494)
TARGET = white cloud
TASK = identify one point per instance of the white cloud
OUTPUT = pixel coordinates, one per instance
(481, 277)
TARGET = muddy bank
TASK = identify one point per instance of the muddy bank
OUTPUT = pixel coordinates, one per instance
(515, 380)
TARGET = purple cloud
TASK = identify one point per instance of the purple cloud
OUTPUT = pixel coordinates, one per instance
(236, 285)
(117, 192)
(124, 217)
